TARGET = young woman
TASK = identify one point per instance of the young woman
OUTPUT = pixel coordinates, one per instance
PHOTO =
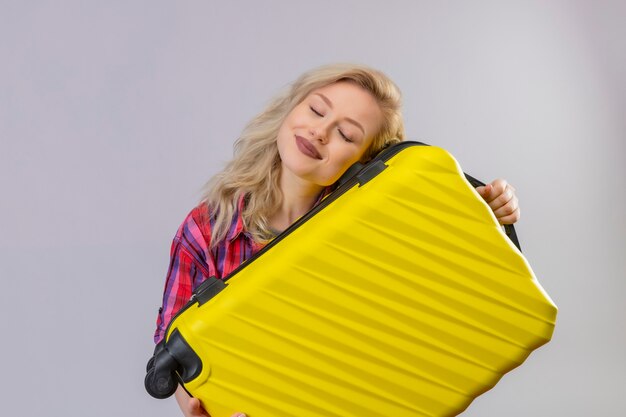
(286, 160)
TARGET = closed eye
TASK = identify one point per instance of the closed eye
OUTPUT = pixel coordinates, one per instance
(316, 112)
(347, 139)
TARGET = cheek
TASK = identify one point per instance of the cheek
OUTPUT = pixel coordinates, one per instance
(283, 135)
(347, 159)
(354, 155)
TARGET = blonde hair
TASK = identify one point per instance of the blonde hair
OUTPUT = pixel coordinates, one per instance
(254, 171)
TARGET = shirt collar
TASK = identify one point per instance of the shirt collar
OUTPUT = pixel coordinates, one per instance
(325, 192)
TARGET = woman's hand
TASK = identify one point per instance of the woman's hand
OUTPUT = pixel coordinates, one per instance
(501, 197)
(191, 407)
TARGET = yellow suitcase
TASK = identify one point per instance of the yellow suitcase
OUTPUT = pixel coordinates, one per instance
(399, 295)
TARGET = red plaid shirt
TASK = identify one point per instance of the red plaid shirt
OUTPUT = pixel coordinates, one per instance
(191, 261)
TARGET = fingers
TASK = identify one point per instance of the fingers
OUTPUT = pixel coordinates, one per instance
(485, 191)
(501, 197)
(509, 213)
(505, 195)
(195, 409)
(192, 407)
(510, 219)
(493, 190)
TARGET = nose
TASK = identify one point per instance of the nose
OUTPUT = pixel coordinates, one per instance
(319, 133)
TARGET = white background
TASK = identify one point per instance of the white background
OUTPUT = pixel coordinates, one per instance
(114, 113)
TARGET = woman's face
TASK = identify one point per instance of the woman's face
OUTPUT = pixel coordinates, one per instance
(327, 132)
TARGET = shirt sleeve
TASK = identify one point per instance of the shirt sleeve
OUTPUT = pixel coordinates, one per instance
(191, 263)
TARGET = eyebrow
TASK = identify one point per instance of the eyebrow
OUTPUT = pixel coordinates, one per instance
(348, 119)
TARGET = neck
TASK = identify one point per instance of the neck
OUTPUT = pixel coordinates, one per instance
(298, 198)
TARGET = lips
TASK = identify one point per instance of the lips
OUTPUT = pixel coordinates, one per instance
(307, 148)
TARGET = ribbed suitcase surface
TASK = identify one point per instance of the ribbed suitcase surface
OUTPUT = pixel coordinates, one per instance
(402, 297)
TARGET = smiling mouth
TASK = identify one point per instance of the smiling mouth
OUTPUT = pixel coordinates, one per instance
(306, 148)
